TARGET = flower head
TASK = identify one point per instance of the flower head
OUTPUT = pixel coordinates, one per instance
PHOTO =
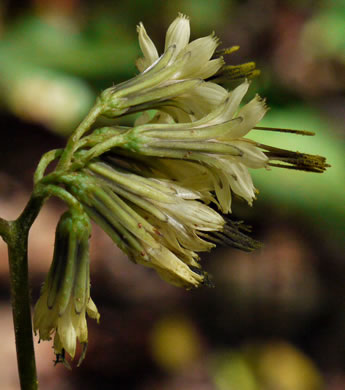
(175, 82)
(155, 221)
(150, 186)
(161, 188)
(65, 296)
(216, 142)
(214, 154)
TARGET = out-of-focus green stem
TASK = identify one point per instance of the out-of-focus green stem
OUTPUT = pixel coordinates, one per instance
(4, 229)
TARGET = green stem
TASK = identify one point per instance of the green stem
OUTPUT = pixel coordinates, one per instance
(5, 229)
(17, 240)
(46, 159)
(17, 253)
(73, 140)
(70, 200)
(97, 150)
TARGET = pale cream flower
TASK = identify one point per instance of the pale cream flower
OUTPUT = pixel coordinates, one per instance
(132, 209)
(156, 222)
(200, 99)
(173, 82)
(216, 144)
(67, 328)
(214, 154)
(199, 52)
(150, 187)
(65, 296)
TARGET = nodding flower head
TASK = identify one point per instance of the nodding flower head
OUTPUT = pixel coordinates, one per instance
(155, 221)
(65, 296)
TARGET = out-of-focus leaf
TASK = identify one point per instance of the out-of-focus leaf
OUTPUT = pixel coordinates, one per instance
(204, 14)
(269, 366)
(324, 34)
(231, 371)
(31, 40)
(44, 96)
(321, 196)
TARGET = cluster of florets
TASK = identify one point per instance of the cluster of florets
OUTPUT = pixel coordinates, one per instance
(159, 189)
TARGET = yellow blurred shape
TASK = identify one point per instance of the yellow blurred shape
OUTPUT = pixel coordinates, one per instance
(283, 367)
(232, 372)
(272, 366)
(175, 343)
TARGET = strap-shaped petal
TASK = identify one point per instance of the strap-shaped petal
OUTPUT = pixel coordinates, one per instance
(147, 47)
(178, 33)
(66, 331)
(201, 50)
(252, 113)
(234, 99)
(241, 182)
(209, 68)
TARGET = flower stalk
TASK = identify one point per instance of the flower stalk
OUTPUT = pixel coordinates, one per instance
(84, 126)
(20, 300)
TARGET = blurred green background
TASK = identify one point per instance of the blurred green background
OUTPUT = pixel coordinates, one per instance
(276, 318)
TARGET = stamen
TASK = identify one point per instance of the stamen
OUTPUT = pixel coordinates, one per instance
(293, 131)
(226, 51)
(207, 280)
(234, 72)
(232, 236)
(61, 358)
(295, 160)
